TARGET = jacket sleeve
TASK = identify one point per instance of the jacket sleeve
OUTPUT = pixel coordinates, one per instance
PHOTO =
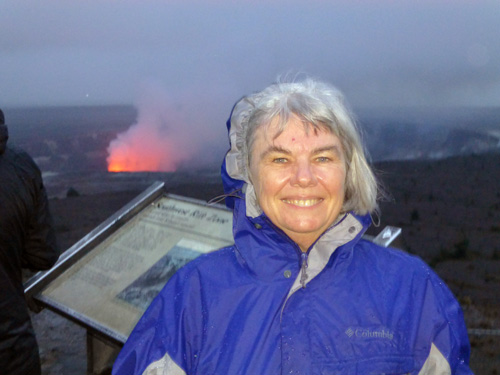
(40, 250)
(168, 337)
(450, 348)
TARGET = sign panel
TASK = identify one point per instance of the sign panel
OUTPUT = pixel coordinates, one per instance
(114, 283)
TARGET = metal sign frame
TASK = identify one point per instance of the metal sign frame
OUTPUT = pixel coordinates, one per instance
(35, 287)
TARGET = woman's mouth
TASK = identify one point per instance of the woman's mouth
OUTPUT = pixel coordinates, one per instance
(302, 202)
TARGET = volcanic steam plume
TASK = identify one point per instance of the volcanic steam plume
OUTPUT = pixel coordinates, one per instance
(155, 142)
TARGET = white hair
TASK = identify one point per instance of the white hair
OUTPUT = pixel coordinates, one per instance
(318, 105)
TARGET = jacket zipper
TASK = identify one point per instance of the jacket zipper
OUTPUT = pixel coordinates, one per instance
(303, 255)
(303, 269)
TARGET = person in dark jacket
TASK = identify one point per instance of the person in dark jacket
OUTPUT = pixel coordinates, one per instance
(300, 291)
(27, 240)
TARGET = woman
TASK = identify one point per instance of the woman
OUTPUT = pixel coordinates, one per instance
(299, 292)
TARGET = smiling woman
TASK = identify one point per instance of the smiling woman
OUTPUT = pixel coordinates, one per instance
(300, 291)
(299, 179)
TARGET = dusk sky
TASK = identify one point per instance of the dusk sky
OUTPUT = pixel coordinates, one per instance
(207, 54)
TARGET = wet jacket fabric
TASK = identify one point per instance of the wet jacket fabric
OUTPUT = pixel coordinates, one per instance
(243, 310)
(261, 306)
(27, 240)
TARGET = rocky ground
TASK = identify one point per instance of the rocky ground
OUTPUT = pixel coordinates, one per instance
(449, 211)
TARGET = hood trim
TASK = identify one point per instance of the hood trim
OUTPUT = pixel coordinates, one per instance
(236, 164)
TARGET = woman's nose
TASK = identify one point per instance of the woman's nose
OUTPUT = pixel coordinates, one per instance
(303, 175)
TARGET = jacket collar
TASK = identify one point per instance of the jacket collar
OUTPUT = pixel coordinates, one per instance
(267, 252)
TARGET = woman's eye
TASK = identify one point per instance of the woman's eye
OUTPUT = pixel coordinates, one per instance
(323, 159)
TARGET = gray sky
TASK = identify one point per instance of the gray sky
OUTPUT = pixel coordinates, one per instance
(206, 54)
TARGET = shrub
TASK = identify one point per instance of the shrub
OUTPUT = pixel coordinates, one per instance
(414, 216)
(461, 249)
(72, 193)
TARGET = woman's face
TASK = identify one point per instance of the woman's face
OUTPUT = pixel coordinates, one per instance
(298, 179)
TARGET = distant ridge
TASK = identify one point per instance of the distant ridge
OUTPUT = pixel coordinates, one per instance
(75, 139)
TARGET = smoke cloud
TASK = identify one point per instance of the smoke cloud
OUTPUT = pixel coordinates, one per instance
(157, 141)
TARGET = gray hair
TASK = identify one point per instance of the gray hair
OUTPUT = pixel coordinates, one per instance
(317, 105)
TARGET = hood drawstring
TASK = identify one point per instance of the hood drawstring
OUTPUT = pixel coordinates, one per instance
(303, 270)
(220, 198)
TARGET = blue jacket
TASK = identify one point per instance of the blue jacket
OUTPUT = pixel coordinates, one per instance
(262, 306)
(362, 309)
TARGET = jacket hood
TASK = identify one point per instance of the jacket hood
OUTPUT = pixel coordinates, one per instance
(234, 169)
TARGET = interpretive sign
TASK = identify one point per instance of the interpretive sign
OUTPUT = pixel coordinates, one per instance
(111, 286)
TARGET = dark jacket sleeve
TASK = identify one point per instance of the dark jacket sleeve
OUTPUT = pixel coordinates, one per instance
(40, 251)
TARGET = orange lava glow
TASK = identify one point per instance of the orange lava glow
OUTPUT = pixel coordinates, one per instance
(128, 159)
(157, 142)
(140, 164)
(143, 149)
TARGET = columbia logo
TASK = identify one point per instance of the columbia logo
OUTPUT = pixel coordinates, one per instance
(369, 333)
